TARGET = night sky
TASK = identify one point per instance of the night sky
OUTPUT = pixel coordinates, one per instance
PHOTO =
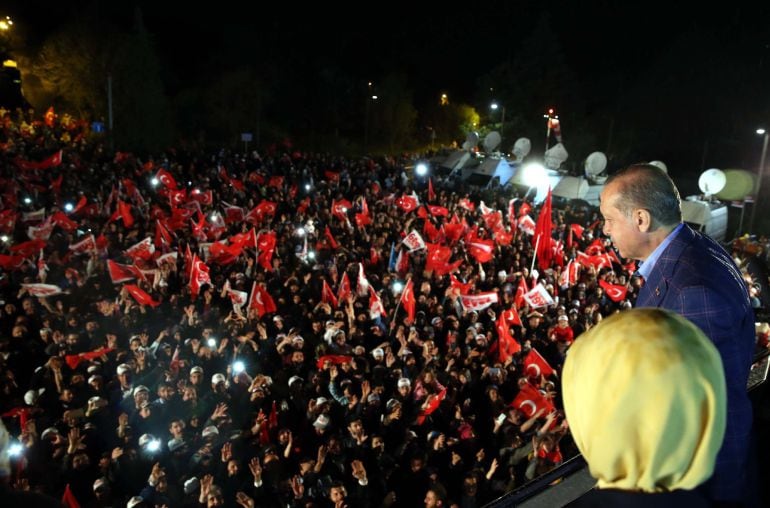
(609, 47)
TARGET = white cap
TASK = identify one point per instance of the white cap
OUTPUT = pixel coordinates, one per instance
(123, 368)
(140, 388)
(47, 432)
(100, 482)
(321, 422)
(404, 382)
(211, 430)
(218, 378)
(293, 379)
(197, 368)
(134, 501)
(378, 351)
(30, 398)
(321, 400)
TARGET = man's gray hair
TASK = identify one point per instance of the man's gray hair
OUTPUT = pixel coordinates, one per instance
(648, 187)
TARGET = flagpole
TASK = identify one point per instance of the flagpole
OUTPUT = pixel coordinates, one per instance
(534, 256)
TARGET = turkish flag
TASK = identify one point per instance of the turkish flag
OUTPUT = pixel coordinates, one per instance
(527, 225)
(511, 316)
(569, 275)
(433, 233)
(535, 365)
(438, 211)
(431, 194)
(344, 290)
(261, 301)
(506, 344)
(86, 245)
(141, 296)
(432, 403)
(521, 290)
(407, 203)
(68, 500)
(166, 179)
(543, 235)
(199, 275)
(614, 292)
(529, 401)
(332, 242)
(376, 308)
(363, 219)
(74, 360)
(121, 273)
(11, 262)
(327, 295)
(142, 250)
(125, 213)
(462, 287)
(52, 161)
(408, 301)
(340, 209)
(481, 250)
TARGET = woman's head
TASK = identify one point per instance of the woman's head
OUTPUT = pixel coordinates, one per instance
(644, 394)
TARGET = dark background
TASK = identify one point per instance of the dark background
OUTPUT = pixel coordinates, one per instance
(686, 84)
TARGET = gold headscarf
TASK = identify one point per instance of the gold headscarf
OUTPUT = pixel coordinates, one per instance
(644, 394)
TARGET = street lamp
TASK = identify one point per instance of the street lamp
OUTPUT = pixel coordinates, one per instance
(6, 24)
(759, 178)
(494, 106)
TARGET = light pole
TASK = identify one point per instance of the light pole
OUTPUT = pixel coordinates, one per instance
(494, 106)
(369, 97)
(759, 178)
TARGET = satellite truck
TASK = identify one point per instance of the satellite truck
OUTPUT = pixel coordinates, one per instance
(707, 212)
(533, 179)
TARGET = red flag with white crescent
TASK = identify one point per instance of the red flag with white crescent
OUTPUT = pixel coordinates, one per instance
(141, 250)
(199, 275)
(527, 225)
(529, 401)
(165, 178)
(535, 365)
(506, 345)
(376, 308)
(261, 301)
(615, 292)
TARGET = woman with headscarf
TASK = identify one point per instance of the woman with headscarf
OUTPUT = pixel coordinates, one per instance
(644, 394)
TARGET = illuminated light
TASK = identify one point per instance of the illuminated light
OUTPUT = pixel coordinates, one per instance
(196, 191)
(301, 231)
(307, 187)
(238, 367)
(398, 286)
(153, 445)
(493, 105)
(10, 63)
(189, 183)
(761, 131)
(154, 182)
(311, 255)
(68, 207)
(4, 238)
(212, 342)
(534, 175)
(344, 210)
(27, 200)
(374, 97)
(15, 449)
(421, 169)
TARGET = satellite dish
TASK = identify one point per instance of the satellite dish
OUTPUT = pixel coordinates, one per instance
(521, 148)
(660, 165)
(595, 164)
(491, 141)
(739, 183)
(712, 181)
(467, 145)
(555, 156)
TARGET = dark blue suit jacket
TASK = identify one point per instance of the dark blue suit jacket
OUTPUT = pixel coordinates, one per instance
(696, 278)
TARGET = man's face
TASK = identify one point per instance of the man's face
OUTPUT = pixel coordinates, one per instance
(336, 494)
(622, 230)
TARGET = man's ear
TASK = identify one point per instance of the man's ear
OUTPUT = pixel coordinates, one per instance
(643, 220)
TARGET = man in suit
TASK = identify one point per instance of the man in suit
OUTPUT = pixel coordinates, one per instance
(691, 274)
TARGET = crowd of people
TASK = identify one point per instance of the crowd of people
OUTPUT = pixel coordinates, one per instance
(281, 328)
